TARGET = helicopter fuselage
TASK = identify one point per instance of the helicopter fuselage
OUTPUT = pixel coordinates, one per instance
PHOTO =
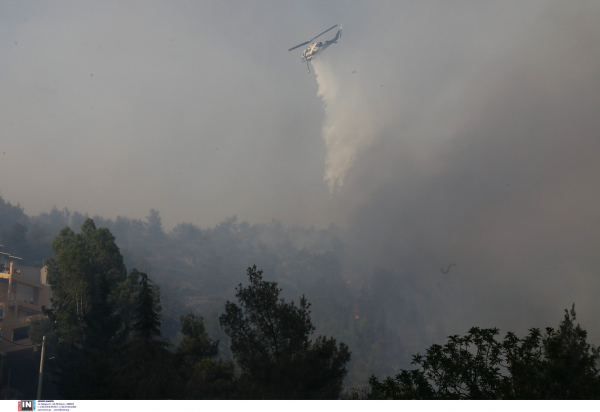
(311, 51)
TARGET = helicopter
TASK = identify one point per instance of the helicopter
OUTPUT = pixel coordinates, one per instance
(315, 48)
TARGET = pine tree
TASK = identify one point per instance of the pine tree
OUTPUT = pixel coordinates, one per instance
(149, 368)
(207, 378)
(270, 340)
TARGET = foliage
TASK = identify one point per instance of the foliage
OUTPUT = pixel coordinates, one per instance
(558, 365)
(146, 328)
(32, 247)
(211, 379)
(15, 240)
(206, 378)
(571, 364)
(154, 224)
(198, 268)
(270, 342)
(10, 214)
(84, 277)
(105, 349)
(196, 344)
(354, 393)
(107, 335)
(148, 369)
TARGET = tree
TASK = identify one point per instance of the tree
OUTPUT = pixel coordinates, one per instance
(10, 214)
(211, 379)
(154, 224)
(16, 240)
(571, 364)
(40, 247)
(195, 344)
(559, 365)
(206, 377)
(148, 369)
(32, 247)
(82, 262)
(270, 342)
(84, 278)
(147, 325)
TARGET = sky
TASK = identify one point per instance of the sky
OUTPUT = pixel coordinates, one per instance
(460, 132)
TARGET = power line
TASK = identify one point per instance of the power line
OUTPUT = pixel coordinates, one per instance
(20, 344)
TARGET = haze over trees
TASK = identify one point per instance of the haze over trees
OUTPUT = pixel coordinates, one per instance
(197, 270)
(105, 333)
(557, 364)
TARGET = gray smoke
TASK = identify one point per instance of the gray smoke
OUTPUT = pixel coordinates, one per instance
(458, 132)
(488, 162)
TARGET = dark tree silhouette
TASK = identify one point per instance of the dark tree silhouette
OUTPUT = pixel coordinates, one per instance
(557, 365)
(270, 341)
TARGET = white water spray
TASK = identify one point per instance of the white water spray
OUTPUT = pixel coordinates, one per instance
(349, 123)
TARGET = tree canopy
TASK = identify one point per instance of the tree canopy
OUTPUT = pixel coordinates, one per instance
(206, 378)
(84, 278)
(270, 342)
(147, 368)
(559, 364)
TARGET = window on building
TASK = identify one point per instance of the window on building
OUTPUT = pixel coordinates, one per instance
(24, 292)
(1, 313)
(21, 333)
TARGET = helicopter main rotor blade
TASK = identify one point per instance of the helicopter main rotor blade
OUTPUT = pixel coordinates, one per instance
(295, 47)
(322, 33)
(306, 42)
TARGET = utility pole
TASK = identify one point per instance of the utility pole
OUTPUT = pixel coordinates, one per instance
(39, 392)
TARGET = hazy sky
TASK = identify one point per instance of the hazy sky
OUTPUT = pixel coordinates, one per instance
(196, 109)
(436, 132)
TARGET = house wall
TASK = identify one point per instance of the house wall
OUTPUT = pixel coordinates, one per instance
(29, 273)
(24, 301)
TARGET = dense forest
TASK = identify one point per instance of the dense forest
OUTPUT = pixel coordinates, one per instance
(198, 269)
(261, 311)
